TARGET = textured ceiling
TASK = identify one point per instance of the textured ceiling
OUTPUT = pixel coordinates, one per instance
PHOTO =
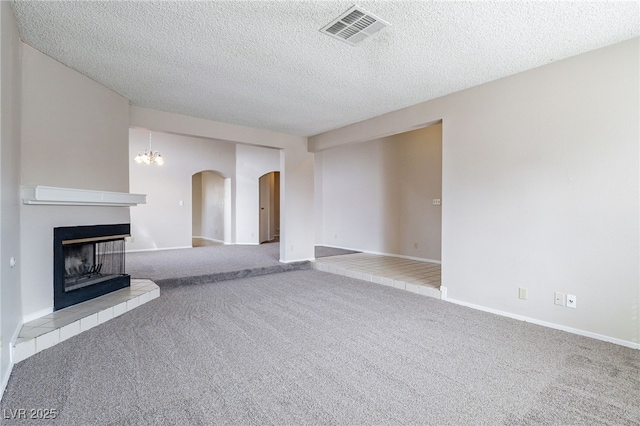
(265, 64)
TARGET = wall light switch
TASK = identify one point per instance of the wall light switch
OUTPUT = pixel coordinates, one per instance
(437, 201)
(571, 301)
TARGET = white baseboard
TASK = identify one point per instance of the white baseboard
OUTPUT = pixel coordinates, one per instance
(579, 332)
(380, 253)
(297, 260)
(8, 346)
(35, 315)
(443, 292)
(5, 376)
(159, 249)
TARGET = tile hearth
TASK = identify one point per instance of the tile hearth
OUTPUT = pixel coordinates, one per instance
(51, 329)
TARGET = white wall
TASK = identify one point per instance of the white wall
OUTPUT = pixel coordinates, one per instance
(10, 93)
(377, 196)
(74, 134)
(163, 223)
(251, 163)
(296, 171)
(540, 190)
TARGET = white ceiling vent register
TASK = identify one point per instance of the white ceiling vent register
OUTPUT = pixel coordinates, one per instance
(354, 25)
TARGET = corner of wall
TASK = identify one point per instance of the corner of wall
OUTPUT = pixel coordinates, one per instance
(10, 152)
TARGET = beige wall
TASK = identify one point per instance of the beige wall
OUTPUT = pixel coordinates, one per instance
(377, 196)
(74, 134)
(540, 190)
(10, 93)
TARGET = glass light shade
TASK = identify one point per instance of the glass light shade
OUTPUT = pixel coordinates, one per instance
(149, 156)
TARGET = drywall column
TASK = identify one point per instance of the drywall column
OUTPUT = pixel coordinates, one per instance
(319, 197)
(297, 205)
(196, 205)
(228, 214)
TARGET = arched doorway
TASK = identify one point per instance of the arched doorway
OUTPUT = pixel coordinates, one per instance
(211, 209)
(269, 205)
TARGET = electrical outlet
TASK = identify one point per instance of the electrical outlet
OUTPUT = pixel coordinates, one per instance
(559, 298)
(522, 293)
(436, 201)
(571, 301)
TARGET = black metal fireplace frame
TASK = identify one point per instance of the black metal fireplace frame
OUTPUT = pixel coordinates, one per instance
(62, 299)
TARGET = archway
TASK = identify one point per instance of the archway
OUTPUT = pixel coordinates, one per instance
(211, 209)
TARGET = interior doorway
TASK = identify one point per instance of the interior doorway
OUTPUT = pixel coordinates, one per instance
(210, 209)
(269, 205)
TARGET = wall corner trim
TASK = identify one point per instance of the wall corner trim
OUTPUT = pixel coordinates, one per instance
(49, 195)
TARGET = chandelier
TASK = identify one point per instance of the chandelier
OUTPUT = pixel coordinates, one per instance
(149, 156)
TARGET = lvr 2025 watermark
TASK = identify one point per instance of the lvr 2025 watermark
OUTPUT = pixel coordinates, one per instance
(30, 413)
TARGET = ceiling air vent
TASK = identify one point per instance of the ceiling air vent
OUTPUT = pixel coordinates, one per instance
(354, 25)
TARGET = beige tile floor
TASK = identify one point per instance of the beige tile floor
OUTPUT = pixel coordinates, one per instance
(410, 275)
(51, 329)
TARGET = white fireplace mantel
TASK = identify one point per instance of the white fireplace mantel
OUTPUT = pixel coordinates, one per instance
(49, 195)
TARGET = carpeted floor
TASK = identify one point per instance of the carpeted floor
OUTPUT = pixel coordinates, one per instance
(308, 347)
(323, 251)
(215, 263)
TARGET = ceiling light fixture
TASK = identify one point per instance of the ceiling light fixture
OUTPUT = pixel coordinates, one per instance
(150, 156)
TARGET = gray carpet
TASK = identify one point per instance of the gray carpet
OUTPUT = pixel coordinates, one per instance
(215, 263)
(323, 251)
(307, 347)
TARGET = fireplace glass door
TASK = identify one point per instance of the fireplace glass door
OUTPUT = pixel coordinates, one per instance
(88, 262)
(91, 263)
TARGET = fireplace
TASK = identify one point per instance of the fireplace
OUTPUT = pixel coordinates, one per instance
(88, 261)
